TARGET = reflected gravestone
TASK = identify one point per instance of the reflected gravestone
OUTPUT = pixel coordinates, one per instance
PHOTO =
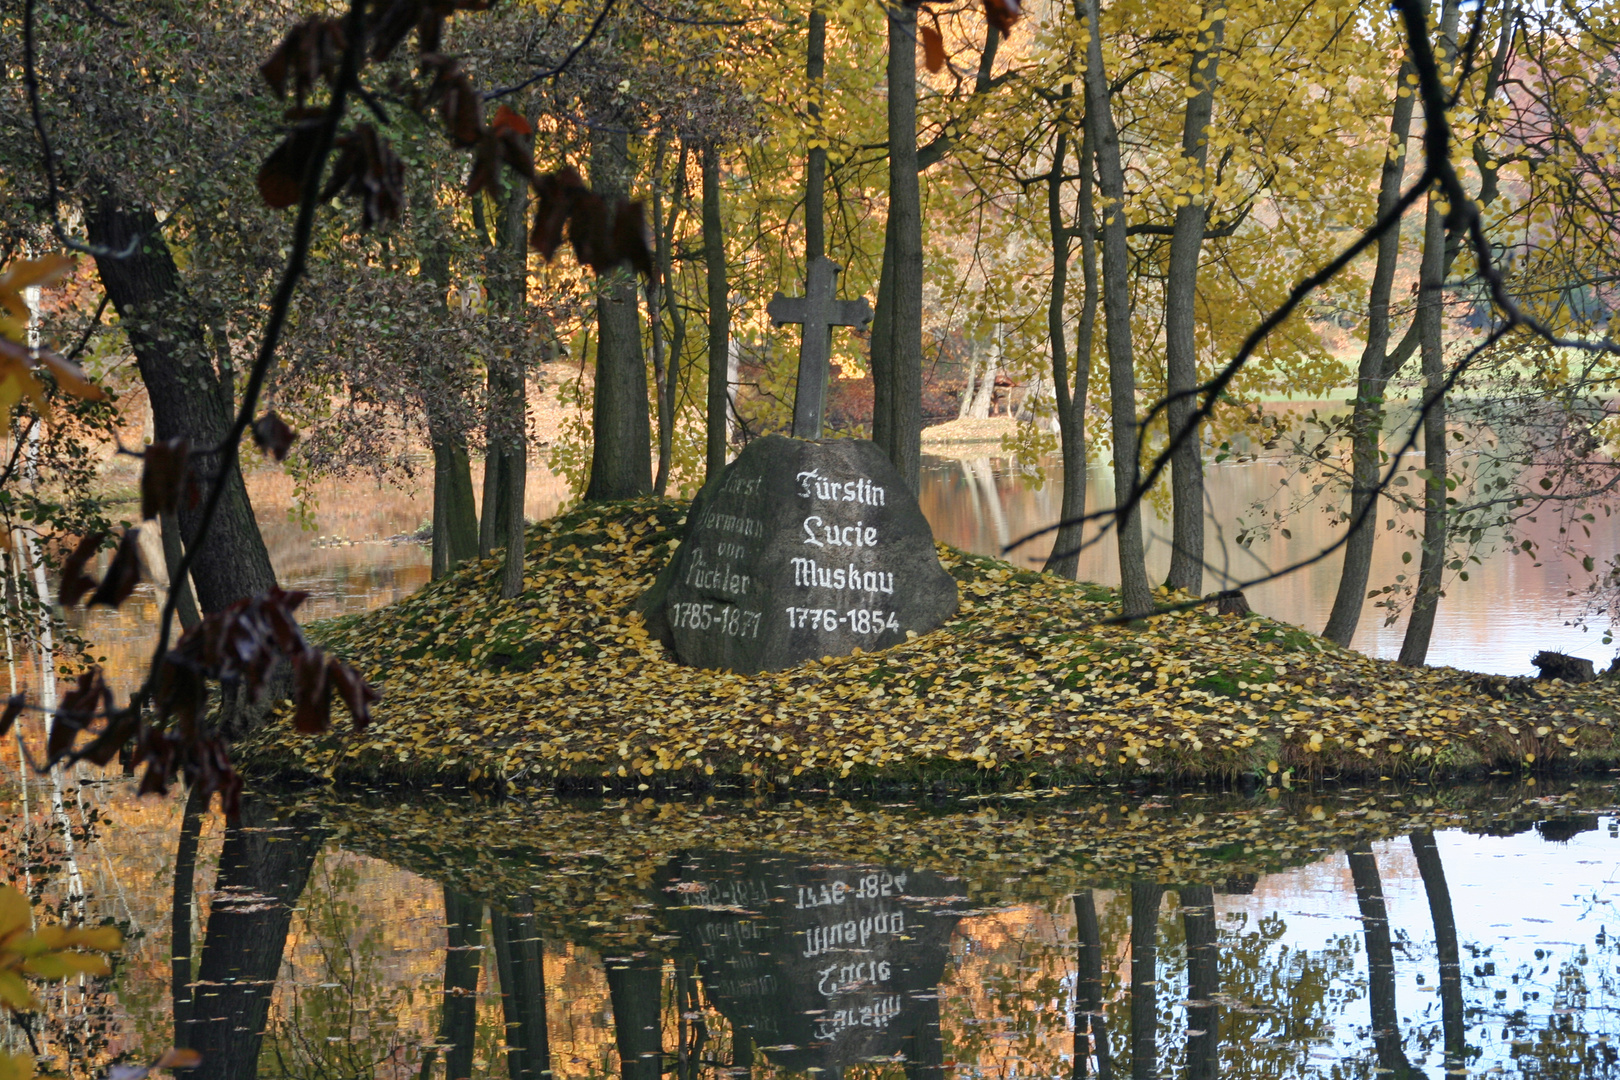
(822, 966)
(799, 550)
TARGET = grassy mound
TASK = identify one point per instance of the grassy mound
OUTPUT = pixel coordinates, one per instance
(1029, 683)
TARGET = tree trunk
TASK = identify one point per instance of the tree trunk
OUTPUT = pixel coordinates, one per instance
(1064, 561)
(635, 988)
(924, 1044)
(458, 1015)
(1136, 595)
(1432, 560)
(970, 372)
(231, 562)
(1367, 415)
(1181, 317)
(181, 912)
(714, 258)
(1452, 1023)
(1431, 276)
(1203, 982)
(173, 552)
(621, 454)
(902, 436)
(520, 957)
(263, 868)
(1380, 961)
(1090, 1025)
(506, 461)
(882, 362)
(455, 514)
(663, 382)
(1145, 899)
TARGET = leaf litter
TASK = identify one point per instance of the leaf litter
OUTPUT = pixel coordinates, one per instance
(1029, 682)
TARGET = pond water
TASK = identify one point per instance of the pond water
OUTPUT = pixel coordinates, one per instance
(426, 935)
(361, 553)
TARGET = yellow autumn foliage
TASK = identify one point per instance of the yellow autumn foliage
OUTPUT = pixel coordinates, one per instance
(1029, 679)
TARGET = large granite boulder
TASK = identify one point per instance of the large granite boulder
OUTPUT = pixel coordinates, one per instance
(799, 550)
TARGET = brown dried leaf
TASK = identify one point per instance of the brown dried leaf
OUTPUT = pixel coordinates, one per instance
(933, 43)
(75, 582)
(163, 471)
(14, 707)
(123, 574)
(356, 692)
(1003, 14)
(313, 693)
(554, 200)
(281, 177)
(272, 435)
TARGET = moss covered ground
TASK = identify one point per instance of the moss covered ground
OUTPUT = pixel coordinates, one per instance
(1029, 684)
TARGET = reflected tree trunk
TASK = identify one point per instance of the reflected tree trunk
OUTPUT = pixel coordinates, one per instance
(1380, 962)
(263, 868)
(635, 988)
(1090, 1025)
(924, 1046)
(693, 1032)
(458, 1015)
(1203, 982)
(520, 959)
(185, 891)
(1433, 872)
(1145, 899)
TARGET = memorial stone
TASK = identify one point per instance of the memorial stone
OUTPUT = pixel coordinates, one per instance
(799, 550)
(822, 966)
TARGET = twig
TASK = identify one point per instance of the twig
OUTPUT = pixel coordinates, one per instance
(553, 72)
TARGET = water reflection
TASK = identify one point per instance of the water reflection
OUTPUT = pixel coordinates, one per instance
(1509, 608)
(1420, 943)
(822, 966)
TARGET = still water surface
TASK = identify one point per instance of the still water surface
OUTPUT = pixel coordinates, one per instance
(1069, 934)
(435, 936)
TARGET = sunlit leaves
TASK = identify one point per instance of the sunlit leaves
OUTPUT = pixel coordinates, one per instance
(18, 361)
(1028, 678)
(50, 952)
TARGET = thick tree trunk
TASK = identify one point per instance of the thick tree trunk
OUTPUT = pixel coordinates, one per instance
(635, 988)
(1136, 595)
(714, 258)
(621, 454)
(882, 355)
(1203, 982)
(231, 562)
(1181, 318)
(1433, 872)
(1386, 1030)
(1071, 404)
(263, 868)
(455, 514)
(1145, 899)
(506, 462)
(1090, 1024)
(181, 963)
(902, 439)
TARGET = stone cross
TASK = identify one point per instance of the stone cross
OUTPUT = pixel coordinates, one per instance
(819, 310)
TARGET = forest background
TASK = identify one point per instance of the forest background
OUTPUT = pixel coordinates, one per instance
(1103, 219)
